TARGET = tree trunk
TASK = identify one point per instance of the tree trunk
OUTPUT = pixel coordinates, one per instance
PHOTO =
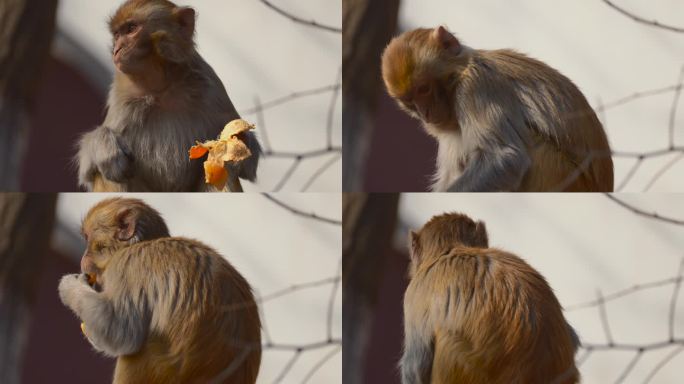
(367, 27)
(26, 30)
(25, 227)
(369, 221)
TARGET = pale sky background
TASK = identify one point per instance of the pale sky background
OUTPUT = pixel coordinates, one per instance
(606, 54)
(583, 243)
(272, 248)
(255, 52)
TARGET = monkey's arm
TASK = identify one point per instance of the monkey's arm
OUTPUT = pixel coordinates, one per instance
(500, 160)
(416, 362)
(499, 169)
(248, 167)
(419, 348)
(114, 328)
(101, 151)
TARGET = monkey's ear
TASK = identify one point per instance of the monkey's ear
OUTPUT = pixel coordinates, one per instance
(447, 40)
(414, 246)
(126, 221)
(186, 19)
(481, 235)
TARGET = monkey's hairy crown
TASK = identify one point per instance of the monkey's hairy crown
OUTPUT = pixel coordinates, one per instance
(407, 53)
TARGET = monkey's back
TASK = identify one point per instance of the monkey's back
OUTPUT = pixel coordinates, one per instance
(494, 320)
(564, 136)
(204, 323)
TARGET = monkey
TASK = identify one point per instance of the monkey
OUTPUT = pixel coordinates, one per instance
(503, 121)
(474, 314)
(164, 97)
(170, 309)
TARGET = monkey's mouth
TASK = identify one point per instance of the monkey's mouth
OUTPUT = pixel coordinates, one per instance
(424, 114)
(92, 281)
(117, 54)
(90, 278)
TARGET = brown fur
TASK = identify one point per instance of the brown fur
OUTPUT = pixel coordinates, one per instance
(487, 316)
(490, 102)
(200, 313)
(100, 184)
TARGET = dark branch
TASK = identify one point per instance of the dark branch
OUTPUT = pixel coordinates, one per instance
(654, 216)
(639, 19)
(296, 19)
(302, 213)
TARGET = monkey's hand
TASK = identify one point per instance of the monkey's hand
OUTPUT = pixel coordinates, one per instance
(102, 151)
(248, 167)
(72, 289)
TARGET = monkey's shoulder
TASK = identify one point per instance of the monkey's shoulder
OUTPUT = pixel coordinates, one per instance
(507, 58)
(522, 69)
(170, 249)
(491, 259)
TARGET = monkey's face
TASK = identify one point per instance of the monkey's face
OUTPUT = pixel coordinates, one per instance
(108, 227)
(146, 33)
(105, 231)
(430, 101)
(420, 69)
(99, 249)
(130, 46)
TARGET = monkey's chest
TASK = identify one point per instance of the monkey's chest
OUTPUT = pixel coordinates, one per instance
(452, 158)
(160, 153)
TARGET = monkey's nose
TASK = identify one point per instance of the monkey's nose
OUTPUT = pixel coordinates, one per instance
(118, 45)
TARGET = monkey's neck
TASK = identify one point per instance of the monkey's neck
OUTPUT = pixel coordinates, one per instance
(450, 128)
(154, 83)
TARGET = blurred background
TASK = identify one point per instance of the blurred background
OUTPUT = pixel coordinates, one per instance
(627, 250)
(629, 70)
(282, 73)
(286, 245)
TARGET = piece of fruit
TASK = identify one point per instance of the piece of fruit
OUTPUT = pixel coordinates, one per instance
(229, 147)
(234, 128)
(197, 151)
(215, 173)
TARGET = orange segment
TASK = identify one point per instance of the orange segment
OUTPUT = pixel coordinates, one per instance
(197, 151)
(215, 174)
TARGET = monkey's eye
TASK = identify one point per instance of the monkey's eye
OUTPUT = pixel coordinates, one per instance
(129, 28)
(98, 247)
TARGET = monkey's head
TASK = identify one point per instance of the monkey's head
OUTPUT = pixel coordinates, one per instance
(420, 69)
(113, 224)
(149, 33)
(442, 233)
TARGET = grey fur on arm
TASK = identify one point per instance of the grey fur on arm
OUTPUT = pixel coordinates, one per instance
(101, 151)
(113, 329)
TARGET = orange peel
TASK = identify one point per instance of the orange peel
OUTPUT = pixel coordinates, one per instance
(227, 148)
(215, 174)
